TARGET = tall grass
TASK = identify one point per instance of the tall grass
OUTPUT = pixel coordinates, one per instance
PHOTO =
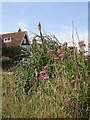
(53, 81)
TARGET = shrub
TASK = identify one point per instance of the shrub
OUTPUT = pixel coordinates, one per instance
(11, 51)
(12, 56)
(6, 63)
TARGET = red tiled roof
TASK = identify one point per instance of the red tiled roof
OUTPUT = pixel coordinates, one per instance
(16, 37)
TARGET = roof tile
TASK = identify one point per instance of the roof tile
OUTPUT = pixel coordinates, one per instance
(16, 37)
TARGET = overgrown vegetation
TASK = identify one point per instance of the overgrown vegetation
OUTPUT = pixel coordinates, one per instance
(53, 81)
(11, 56)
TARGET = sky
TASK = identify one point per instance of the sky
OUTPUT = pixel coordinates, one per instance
(55, 18)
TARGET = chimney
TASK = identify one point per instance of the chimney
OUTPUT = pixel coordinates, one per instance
(19, 30)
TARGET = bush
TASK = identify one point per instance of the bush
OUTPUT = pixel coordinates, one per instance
(12, 56)
(11, 51)
(6, 63)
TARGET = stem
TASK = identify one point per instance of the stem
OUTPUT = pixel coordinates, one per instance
(42, 39)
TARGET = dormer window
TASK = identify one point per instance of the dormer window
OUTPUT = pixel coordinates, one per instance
(7, 39)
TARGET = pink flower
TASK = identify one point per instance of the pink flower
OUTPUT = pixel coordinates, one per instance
(78, 80)
(50, 51)
(71, 47)
(43, 72)
(46, 78)
(61, 55)
(66, 101)
(73, 81)
(69, 50)
(75, 89)
(46, 71)
(71, 57)
(81, 43)
(41, 76)
(59, 51)
(45, 67)
(65, 44)
(56, 59)
(62, 48)
(65, 83)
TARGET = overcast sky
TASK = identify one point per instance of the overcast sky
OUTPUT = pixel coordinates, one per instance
(56, 18)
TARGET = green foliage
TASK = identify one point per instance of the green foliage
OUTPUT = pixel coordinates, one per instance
(29, 68)
(6, 62)
(65, 93)
(11, 56)
(11, 51)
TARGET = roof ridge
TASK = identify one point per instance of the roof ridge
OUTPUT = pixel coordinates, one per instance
(13, 32)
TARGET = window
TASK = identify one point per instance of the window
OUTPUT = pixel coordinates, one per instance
(7, 39)
(24, 41)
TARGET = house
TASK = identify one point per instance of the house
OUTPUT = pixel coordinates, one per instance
(13, 46)
(15, 39)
